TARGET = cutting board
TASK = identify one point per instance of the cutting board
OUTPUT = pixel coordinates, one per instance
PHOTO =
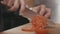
(53, 29)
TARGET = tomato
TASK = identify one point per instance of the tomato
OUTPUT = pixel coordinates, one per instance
(38, 25)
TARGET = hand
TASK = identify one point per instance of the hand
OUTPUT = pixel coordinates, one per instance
(8, 2)
(14, 4)
(42, 10)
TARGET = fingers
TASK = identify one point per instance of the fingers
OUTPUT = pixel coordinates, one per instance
(48, 12)
(22, 7)
(10, 3)
(42, 9)
(4, 2)
(15, 6)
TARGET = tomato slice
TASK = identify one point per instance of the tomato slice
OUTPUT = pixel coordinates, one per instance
(27, 29)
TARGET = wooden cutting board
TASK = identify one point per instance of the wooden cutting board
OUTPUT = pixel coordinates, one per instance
(54, 29)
